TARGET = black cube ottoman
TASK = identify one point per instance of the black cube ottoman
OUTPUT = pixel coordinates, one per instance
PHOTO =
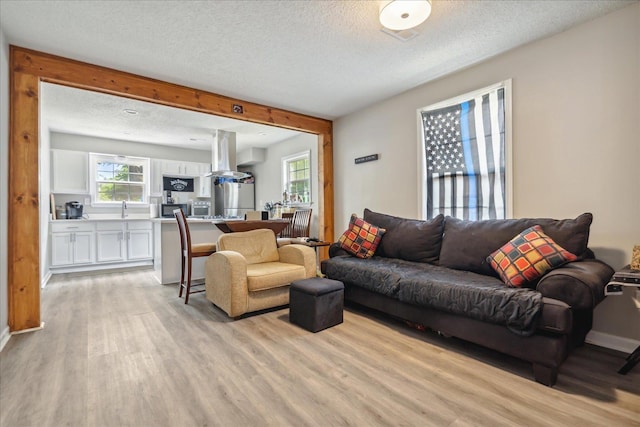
(316, 303)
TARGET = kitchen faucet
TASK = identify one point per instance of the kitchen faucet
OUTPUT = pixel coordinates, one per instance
(124, 206)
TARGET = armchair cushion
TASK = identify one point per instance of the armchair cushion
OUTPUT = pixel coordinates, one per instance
(269, 275)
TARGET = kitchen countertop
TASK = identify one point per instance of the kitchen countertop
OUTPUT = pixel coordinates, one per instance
(144, 218)
(99, 219)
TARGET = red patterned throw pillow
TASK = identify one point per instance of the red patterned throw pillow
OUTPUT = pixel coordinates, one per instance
(528, 256)
(361, 238)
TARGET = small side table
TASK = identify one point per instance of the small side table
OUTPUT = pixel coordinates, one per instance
(314, 245)
(620, 279)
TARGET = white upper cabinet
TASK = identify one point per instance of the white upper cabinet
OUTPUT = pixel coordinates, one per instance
(69, 172)
(157, 166)
(202, 186)
(179, 168)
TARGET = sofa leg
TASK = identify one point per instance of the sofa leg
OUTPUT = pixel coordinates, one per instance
(545, 375)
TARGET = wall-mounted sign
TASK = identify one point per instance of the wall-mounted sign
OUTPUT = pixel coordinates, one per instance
(369, 158)
(177, 184)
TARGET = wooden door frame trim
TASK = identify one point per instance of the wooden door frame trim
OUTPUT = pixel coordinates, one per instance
(27, 69)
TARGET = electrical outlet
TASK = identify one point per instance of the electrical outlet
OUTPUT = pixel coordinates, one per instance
(87, 201)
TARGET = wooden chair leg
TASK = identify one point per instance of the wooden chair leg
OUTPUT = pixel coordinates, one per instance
(181, 284)
(188, 290)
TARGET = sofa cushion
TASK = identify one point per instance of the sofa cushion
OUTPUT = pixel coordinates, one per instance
(472, 295)
(467, 244)
(408, 239)
(377, 274)
(527, 257)
(361, 238)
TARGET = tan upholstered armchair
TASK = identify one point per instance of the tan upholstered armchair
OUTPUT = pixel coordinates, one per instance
(249, 272)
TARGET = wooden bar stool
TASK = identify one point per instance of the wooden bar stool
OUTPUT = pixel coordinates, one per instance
(188, 252)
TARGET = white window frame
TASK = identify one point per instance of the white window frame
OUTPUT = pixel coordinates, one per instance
(508, 168)
(285, 172)
(94, 158)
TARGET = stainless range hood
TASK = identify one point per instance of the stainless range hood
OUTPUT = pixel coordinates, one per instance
(223, 156)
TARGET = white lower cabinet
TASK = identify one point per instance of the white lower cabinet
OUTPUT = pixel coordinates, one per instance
(103, 244)
(72, 243)
(139, 240)
(111, 241)
(121, 241)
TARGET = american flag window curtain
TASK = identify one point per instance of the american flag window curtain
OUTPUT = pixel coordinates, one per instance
(464, 157)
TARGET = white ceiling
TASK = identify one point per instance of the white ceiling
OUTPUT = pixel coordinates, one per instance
(81, 112)
(322, 58)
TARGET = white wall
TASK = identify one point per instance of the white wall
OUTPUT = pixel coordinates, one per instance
(576, 144)
(44, 184)
(4, 175)
(269, 173)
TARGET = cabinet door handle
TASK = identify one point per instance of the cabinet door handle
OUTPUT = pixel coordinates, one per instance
(128, 235)
(72, 228)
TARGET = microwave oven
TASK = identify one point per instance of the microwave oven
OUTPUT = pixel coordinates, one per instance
(166, 209)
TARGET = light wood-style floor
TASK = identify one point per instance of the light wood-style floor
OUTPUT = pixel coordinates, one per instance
(121, 350)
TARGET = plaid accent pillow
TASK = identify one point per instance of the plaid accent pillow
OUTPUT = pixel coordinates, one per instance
(361, 238)
(528, 256)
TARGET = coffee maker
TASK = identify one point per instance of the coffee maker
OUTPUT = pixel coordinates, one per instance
(74, 210)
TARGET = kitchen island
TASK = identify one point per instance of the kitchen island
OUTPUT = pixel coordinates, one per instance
(166, 259)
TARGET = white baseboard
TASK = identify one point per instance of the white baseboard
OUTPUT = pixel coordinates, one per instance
(4, 337)
(45, 280)
(614, 342)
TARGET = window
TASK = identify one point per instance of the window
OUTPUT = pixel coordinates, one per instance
(296, 178)
(118, 178)
(465, 155)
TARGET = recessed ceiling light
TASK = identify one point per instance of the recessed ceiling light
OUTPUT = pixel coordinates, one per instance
(130, 111)
(262, 133)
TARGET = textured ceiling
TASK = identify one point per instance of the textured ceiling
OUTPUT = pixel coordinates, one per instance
(322, 58)
(82, 112)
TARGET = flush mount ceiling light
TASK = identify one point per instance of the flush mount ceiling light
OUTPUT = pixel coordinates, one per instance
(404, 14)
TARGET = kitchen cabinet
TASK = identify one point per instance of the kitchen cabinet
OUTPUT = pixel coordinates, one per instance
(111, 243)
(139, 240)
(122, 241)
(69, 172)
(157, 168)
(72, 244)
(203, 185)
(87, 245)
(174, 168)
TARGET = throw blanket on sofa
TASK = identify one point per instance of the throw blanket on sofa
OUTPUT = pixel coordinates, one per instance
(463, 293)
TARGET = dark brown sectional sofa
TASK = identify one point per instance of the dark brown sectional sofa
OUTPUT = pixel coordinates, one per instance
(435, 273)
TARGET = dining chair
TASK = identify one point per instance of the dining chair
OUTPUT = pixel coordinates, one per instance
(300, 223)
(188, 252)
(286, 233)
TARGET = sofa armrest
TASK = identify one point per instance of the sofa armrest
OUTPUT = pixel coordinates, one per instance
(299, 255)
(226, 282)
(580, 284)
